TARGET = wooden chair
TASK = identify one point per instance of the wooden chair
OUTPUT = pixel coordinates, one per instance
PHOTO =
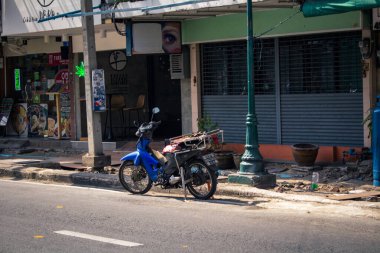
(140, 104)
(117, 104)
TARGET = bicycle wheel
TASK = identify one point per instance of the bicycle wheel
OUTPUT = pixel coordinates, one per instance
(203, 180)
(134, 179)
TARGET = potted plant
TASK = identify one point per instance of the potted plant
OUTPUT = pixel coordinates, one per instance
(224, 158)
(205, 124)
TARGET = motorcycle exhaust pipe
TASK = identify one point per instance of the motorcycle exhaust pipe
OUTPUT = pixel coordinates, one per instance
(174, 180)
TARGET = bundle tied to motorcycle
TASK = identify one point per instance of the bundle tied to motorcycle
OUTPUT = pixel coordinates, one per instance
(187, 161)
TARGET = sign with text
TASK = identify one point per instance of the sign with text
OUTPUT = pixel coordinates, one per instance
(98, 90)
(17, 80)
(22, 16)
(62, 79)
(65, 114)
(55, 59)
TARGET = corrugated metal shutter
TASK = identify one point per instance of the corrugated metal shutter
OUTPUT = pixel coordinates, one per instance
(224, 80)
(319, 96)
(321, 89)
(324, 119)
(230, 112)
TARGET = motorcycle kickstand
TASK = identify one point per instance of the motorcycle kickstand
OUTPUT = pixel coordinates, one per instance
(182, 172)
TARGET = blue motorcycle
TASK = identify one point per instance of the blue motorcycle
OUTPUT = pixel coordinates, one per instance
(186, 162)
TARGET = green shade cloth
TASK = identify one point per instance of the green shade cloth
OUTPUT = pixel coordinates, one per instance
(312, 8)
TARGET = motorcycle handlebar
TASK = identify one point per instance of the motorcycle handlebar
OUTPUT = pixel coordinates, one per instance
(150, 126)
(156, 123)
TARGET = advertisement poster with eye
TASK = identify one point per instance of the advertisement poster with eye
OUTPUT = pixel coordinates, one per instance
(37, 119)
(18, 121)
(157, 37)
(171, 37)
(98, 91)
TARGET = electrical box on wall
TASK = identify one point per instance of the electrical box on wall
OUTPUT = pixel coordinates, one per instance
(180, 64)
(376, 19)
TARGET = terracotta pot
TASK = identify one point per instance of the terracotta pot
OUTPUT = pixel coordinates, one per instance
(237, 160)
(305, 154)
(224, 160)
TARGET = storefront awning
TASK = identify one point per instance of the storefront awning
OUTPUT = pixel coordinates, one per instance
(312, 8)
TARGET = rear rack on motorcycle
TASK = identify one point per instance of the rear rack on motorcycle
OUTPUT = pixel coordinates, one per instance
(202, 140)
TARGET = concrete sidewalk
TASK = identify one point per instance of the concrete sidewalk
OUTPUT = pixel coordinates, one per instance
(48, 170)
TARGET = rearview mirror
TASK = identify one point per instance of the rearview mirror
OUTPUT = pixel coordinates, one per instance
(155, 110)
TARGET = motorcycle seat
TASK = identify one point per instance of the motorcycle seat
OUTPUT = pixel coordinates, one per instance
(156, 154)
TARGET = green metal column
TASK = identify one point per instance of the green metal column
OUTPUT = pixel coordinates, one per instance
(252, 167)
(252, 161)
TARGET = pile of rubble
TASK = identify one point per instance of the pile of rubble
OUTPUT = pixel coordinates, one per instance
(301, 186)
(359, 171)
(332, 179)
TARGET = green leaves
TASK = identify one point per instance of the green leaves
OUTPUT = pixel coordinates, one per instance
(368, 122)
(205, 124)
(81, 72)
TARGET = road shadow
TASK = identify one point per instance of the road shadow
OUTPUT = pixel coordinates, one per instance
(216, 200)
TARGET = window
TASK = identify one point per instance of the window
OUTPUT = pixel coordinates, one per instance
(224, 68)
(328, 63)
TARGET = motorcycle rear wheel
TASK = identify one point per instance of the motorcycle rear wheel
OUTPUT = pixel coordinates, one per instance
(134, 178)
(203, 183)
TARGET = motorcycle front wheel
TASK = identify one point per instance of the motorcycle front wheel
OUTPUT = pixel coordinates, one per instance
(134, 178)
(203, 180)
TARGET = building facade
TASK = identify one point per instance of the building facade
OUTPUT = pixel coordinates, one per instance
(312, 82)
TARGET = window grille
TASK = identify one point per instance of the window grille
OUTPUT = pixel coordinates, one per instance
(224, 68)
(323, 63)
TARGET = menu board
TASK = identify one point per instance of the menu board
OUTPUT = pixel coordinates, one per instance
(65, 114)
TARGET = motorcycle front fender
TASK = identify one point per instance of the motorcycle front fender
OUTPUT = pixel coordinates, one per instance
(134, 156)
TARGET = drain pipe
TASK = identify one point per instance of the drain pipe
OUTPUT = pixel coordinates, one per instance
(376, 143)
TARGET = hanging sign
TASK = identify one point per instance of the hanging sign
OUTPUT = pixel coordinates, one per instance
(17, 80)
(98, 90)
(155, 37)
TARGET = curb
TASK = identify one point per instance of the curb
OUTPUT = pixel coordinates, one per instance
(112, 181)
(247, 191)
(51, 175)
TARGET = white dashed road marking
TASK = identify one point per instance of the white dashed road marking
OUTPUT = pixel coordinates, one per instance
(98, 238)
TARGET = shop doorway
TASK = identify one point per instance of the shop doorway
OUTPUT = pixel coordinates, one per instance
(164, 93)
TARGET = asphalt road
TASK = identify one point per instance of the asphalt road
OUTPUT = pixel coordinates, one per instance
(56, 218)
